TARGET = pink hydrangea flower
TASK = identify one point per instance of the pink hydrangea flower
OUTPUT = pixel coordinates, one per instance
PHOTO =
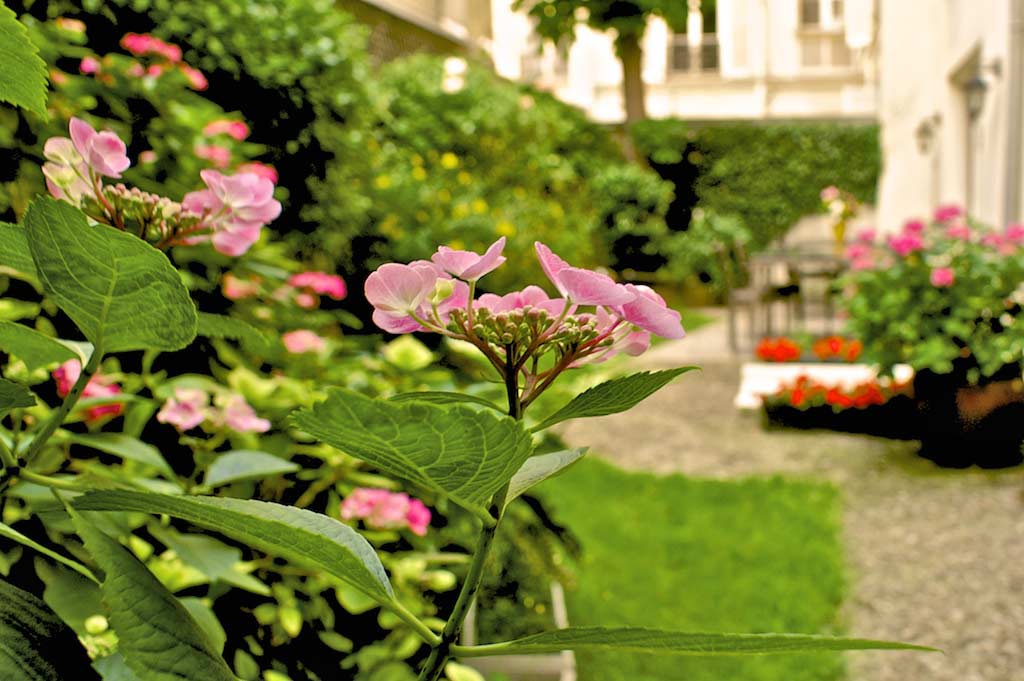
(104, 152)
(219, 156)
(89, 65)
(866, 235)
(649, 312)
(948, 212)
(531, 296)
(581, 286)
(400, 290)
(905, 244)
(1015, 234)
(383, 509)
(320, 282)
(467, 265)
(235, 207)
(260, 169)
(913, 227)
(236, 288)
(186, 409)
(942, 277)
(143, 43)
(239, 416)
(238, 130)
(65, 170)
(68, 373)
(303, 340)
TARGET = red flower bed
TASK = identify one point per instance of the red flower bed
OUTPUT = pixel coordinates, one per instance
(805, 393)
(830, 348)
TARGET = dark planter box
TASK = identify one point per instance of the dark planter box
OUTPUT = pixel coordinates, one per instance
(896, 419)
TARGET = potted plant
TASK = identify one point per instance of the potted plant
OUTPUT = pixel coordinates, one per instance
(946, 298)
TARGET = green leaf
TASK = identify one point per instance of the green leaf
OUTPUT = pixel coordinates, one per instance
(613, 396)
(212, 557)
(442, 397)
(675, 643)
(221, 326)
(33, 348)
(301, 536)
(14, 396)
(244, 464)
(35, 645)
(14, 250)
(126, 447)
(207, 621)
(12, 534)
(120, 291)
(160, 641)
(537, 469)
(467, 454)
(22, 72)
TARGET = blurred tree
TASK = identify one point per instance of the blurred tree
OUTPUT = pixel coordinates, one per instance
(557, 19)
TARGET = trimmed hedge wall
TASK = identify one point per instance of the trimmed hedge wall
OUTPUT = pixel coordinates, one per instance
(767, 174)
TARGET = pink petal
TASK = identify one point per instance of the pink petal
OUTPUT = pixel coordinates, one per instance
(584, 287)
(648, 311)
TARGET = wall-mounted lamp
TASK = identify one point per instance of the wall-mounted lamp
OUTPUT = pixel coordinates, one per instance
(974, 91)
(925, 131)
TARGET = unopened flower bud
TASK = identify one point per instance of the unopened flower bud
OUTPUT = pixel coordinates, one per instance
(96, 625)
(443, 290)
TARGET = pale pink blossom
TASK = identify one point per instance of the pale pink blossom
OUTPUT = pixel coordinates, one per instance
(148, 156)
(196, 79)
(648, 311)
(260, 169)
(960, 231)
(400, 290)
(104, 152)
(236, 288)
(531, 296)
(942, 277)
(866, 235)
(219, 156)
(307, 301)
(186, 409)
(238, 130)
(68, 373)
(234, 207)
(829, 194)
(135, 70)
(303, 340)
(320, 282)
(583, 287)
(467, 265)
(239, 416)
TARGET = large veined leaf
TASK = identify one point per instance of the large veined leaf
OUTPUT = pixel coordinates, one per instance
(212, 557)
(301, 536)
(614, 396)
(675, 642)
(35, 645)
(158, 638)
(120, 291)
(22, 71)
(14, 251)
(33, 348)
(10, 533)
(465, 453)
(243, 464)
(14, 396)
(537, 469)
(221, 326)
(442, 397)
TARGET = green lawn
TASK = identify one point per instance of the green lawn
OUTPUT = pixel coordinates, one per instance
(672, 552)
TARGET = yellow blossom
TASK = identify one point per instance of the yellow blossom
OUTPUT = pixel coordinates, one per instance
(449, 161)
(418, 173)
(506, 228)
(382, 182)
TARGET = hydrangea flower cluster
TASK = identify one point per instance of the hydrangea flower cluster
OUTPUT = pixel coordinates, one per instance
(158, 58)
(592, 319)
(67, 374)
(188, 408)
(386, 510)
(229, 213)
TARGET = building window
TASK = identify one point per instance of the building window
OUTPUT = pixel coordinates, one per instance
(821, 14)
(704, 57)
(822, 40)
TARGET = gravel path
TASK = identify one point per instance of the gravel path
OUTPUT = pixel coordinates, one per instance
(935, 556)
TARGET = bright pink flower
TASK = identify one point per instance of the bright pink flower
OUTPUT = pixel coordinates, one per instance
(960, 231)
(913, 227)
(187, 409)
(857, 251)
(648, 311)
(260, 169)
(155, 70)
(320, 282)
(237, 415)
(468, 265)
(89, 65)
(68, 373)
(144, 43)
(238, 130)
(196, 79)
(219, 156)
(582, 287)
(948, 212)
(942, 277)
(382, 509)
(103, 151)
(417, 517)
(303, 340)
(236, 288)
(861, 264)
(905, 244)
(399, 290)
(1015, 234)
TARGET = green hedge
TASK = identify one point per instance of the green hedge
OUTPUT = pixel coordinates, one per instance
(767, 174)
